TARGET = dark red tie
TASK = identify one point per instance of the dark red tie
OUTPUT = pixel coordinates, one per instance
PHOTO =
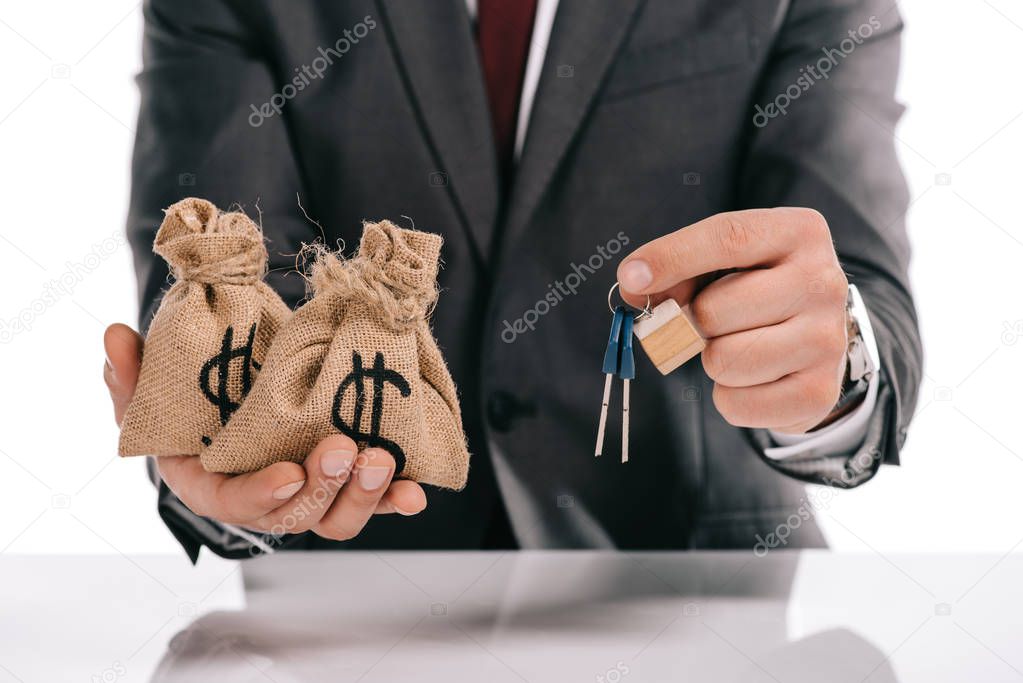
(504, 29)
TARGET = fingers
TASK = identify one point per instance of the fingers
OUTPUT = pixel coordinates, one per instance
(794, 403)
(404, 498)
(767, 354)
(333, 493)
(327, 469)
(740, 239)
(786, 376)
(123, 348)
(682, 293)
(360, 497)
(234, 499)
(749, 300)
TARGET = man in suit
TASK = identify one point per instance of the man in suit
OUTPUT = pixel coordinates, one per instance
(560, 147)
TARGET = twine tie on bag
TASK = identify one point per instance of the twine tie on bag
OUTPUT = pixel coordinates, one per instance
(402, 294)
(399, 304)
(244, 268)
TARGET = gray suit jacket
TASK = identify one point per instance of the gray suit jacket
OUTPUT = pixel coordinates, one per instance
(644, 121)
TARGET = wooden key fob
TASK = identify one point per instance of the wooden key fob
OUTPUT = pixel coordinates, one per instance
(668, 337)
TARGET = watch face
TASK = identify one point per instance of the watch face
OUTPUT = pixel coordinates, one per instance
(860, 364)
(852, 325)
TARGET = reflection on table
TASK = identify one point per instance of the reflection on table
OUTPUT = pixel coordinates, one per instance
(530, 616)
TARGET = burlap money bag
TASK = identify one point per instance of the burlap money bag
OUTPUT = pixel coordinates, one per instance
(357, 358)
(210, 334)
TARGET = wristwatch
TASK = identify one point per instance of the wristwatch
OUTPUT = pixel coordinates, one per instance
(859, 366)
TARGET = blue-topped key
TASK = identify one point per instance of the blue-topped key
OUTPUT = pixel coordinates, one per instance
(627, 371)
(619, 362)
(611, 360)
(626, 361)
(611, 353)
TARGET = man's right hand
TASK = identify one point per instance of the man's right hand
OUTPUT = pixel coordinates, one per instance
(333, 493)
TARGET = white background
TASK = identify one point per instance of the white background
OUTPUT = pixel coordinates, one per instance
(67, 110)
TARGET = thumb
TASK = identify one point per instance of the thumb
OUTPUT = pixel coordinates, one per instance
(123, 348)
(682, 293)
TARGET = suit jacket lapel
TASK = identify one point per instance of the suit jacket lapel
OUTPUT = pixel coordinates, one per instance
(585, 40)
(435, 47)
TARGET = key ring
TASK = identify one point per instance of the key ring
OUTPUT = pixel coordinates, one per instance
(644, 312)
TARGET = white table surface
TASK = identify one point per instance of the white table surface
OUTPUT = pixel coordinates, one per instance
(494, 617)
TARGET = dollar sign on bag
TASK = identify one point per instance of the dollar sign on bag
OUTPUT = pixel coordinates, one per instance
(219, 395)
(380, 375)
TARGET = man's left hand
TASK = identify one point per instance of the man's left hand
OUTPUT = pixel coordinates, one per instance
(775, 321)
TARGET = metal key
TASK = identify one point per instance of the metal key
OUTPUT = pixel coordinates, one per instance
(627, 371)
(610, 369)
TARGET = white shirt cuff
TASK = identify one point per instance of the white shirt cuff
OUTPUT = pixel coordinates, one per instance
(847, 433)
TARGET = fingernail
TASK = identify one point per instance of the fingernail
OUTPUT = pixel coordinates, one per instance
(337, 463)
(635, 276)
(288, 490)
(402, 512)
(372, 478)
